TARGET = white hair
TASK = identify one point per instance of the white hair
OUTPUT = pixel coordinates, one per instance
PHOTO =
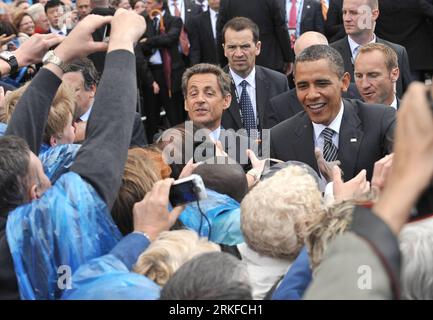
(416, 245)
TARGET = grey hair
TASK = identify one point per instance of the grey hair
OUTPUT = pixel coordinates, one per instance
(416, 243)
(223, 78)
(209, 276)
(319, 52)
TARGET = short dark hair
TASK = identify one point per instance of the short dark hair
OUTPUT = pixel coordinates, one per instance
(52, 4)
(87, 69)
(319, 52)
(226, 179)
(209, 276)
(223, 78)
(242, 23)
(14, 168)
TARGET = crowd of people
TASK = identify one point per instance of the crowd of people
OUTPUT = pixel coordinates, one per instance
(309, 122)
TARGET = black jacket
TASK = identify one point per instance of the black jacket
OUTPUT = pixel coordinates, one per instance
(366, 135)
(269, 83)
(274, 36)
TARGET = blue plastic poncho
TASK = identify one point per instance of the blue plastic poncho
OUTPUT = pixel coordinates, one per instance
(107, 278)
(57, 160)
(67, 227)
(3, 128)
(223, 213)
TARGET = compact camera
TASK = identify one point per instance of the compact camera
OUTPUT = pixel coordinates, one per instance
(187, 190)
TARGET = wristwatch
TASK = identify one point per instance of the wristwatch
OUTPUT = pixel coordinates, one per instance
(9, 57)
(50, 57)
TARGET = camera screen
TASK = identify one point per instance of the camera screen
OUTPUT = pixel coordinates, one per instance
(182, 193)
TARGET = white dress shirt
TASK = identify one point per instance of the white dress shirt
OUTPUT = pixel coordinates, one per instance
(354, 46)
(251, 87)
(180, 5)
(213, 21)
(394, 103)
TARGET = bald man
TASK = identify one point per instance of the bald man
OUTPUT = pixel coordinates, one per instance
(286, 105)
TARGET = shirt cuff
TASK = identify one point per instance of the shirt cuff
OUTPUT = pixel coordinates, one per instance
(130, 247)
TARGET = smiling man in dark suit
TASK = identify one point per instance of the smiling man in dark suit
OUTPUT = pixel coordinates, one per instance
(286, 104)
(359, 19)
(252, 85)
(355, 133)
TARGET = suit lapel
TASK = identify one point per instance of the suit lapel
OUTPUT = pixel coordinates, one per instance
(208, 24)
(350, 139)
(234, 109)
(303, 144)
(262, 91)
(347, 57)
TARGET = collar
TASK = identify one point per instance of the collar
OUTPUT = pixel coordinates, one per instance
(86, 115)
(394, 103)
(63, 30)
(354, 45)
(251, 78)
(334, 125)
(215, 135)
(213, 13)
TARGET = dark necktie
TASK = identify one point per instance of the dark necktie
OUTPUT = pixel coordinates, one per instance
(330, 151)
(248, 119)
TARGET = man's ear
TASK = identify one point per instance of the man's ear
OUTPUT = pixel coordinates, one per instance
(345, 81)
(395, 73)
(93, 89)
(258, 47)
(227, 101)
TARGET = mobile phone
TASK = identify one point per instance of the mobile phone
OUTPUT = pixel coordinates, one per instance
(106, 36)
(189, 189)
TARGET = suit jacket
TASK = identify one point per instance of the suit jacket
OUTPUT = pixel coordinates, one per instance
(269, 83)
(404, 79)
(286, 105)
(334, 28)
(274, 36)
(169, 40)
(203, 44)
(409, 23)
(366, 135)
(311, 16)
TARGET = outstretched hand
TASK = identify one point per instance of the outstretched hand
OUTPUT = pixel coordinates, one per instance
(325, 167)
(151, 215)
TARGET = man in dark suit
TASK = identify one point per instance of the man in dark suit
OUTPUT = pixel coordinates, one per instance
(359, 25)
(206, 88)
(334, 28)
(355, 133)
(185, 10)
(286, 104)
(376, 72)
(308, 17)
(409, 23)
(268, 15)
(160, 47)
(252, 85)
(202, 35)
